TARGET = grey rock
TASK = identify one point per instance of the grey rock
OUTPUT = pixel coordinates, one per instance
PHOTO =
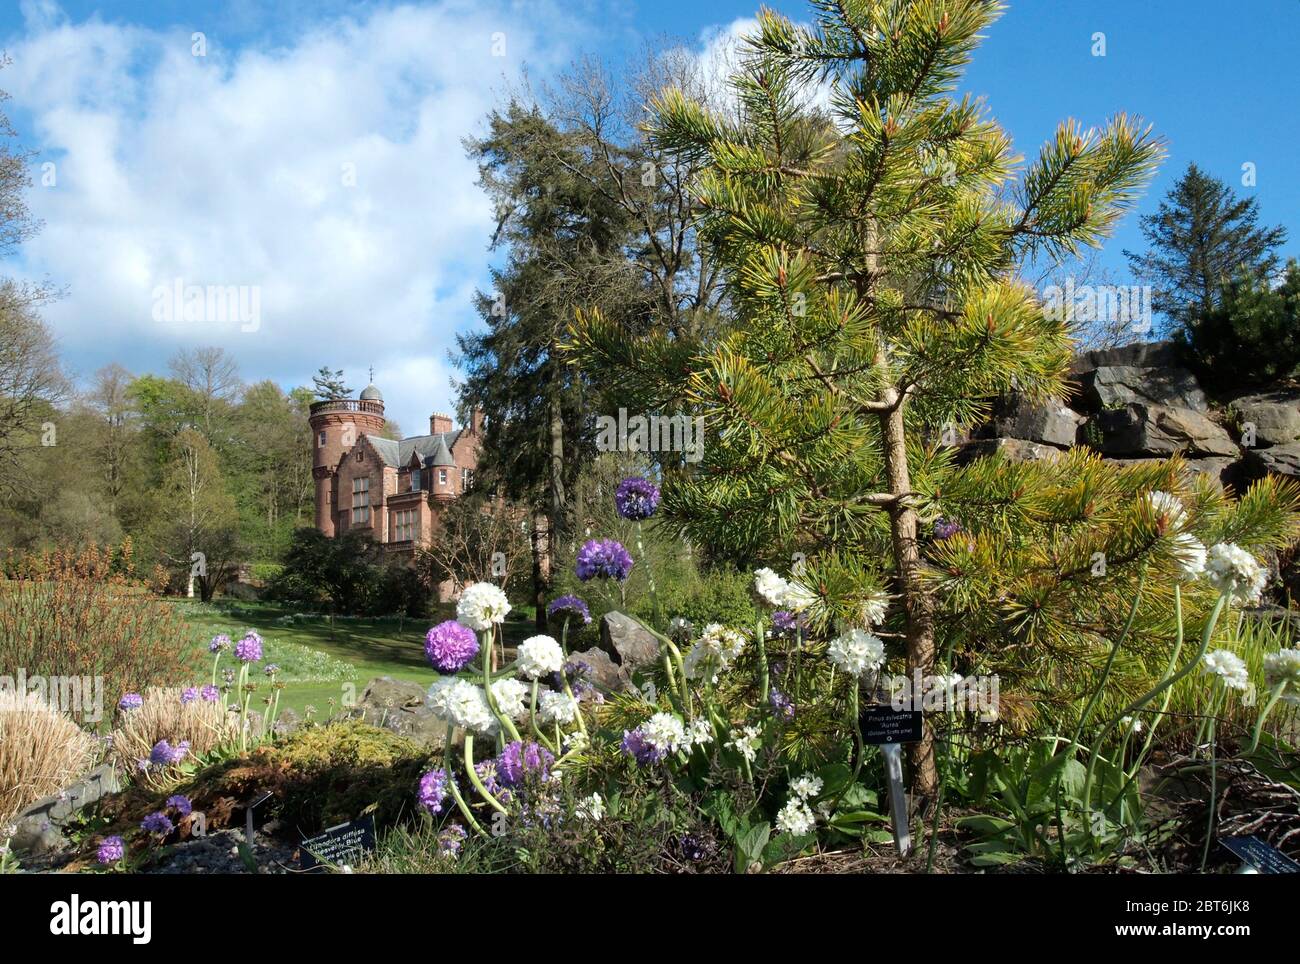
(605, 673)
(627, 642)
(1139, 429)
(1051, 423)
(1113, 386)
(1156, 354)
(1015, 449)
(40, 824)
(37, 838)
(1278, 459)
(1275, 416)
(1221, 470)
(398, 705)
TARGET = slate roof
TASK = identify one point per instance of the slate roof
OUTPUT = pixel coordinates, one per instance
(427, 447)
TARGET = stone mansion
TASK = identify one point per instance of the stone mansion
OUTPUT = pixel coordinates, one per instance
(393, 490)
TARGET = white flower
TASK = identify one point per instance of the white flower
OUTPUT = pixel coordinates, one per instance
(1131, 723)
(511, 697)
(796, 818)
(874, 607)
(1167, 506)
(665, 733)
(591, 808)
(539, 656)
(460, 703)
(1283, 668)
(769, 587)
(1229, 667)
(715, 651)
(1189, 552)
(806, 786)
(746, 742)
(857, 652)
(797, 598)
(553, 707)
(700, 732)
(481, 606)
(1232, 570)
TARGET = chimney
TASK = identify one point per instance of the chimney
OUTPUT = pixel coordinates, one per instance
(438, 424)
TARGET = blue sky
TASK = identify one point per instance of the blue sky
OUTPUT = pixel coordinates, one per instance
(226, 169)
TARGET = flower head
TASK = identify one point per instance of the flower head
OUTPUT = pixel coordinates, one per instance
(131, 701)
(1283, 669)
(796, 818)
(1168, 510)
(946, 528)
(433, 791)
(569, 606)
(806, 786)
(249, 649)
(746, 742)
(460, 703)
(189, 695)
(636, 498)
(1189, 553)
(180, 803)
(521, 762)
(604, 558)
(482, 606)
(539, 656)
(210, 693)
(781, 704)
(1229, 667)
(553, 707)
(511, 697)
(857, 652)
(450, 839)
(797, 597)
(716, 649)
(769, 587)
(220, 643)
(111, 850)
(590, 808)
(158, 823)
(1235, 572)
(450, 646)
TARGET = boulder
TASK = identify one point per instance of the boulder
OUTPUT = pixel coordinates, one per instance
(1015, 449)
(398, 705)
(605, 673)
(1140, 429)
(1278, 459)
(1050, 423)
(1113, 386)
(1156, 354)
(1275, 416)
(629, 644)
(40, 825)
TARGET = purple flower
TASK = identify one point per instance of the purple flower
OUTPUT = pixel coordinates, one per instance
(433, 791)
(271, 669)
(636, 746)
(488, 773)
(131, 701)
(158, 823)
(164, 754)
(605, 558)
(636, 498)
(450, 839)
(782, 705)
(210, 693)
(111, 850)
(181, 804)
(693, 848)
(786, 621)
(189, 695)
(946, 528)
(519, 762)
(570, 606)
(450, 646)
(220, 643)
(249, 649)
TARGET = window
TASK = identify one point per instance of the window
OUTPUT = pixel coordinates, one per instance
(361, 455)
(322, 439)
(405, 530)
(415, 480)
(360, 501)
(442, 476)
(466, 479)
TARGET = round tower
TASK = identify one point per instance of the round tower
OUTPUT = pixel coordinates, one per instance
(336, 425)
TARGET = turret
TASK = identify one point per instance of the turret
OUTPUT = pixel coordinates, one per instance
(336, 425)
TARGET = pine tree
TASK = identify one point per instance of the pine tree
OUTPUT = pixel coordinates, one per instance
(871, 256)
(328, 384)
(1201, 237)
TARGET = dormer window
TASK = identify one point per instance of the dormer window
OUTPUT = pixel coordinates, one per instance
(415, 480)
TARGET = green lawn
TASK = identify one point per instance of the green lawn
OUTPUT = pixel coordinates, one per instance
(352, 652)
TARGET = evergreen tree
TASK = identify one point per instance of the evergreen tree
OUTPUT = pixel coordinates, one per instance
(1202, 236)
(872, 261)
(329, 384)
(1252, 336)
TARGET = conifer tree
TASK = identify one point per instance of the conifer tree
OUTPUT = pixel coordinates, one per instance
(871, 254)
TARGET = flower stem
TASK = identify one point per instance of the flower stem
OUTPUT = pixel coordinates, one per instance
(1274, 696)
(455, 790)
(474, 778)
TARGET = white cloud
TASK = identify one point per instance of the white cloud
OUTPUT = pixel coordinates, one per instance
(230, 169)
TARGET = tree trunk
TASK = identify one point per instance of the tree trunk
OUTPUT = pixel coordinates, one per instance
(916, 601)
(541, 571)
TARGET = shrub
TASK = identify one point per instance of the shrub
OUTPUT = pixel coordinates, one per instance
(162, 716)
(84, 614)
(41, 750)
(1252, 336)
